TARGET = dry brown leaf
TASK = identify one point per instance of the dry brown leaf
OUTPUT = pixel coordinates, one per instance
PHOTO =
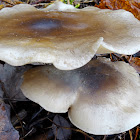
(1, 6)
(132, 6)
(12, 2)
(134, 62)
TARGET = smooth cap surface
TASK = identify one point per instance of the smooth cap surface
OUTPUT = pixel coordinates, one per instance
(101, 97)
(67, 38)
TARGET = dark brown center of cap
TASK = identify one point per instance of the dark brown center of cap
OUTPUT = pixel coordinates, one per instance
(39, 25)
(46, 24)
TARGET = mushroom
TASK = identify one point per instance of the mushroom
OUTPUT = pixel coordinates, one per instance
(65, 36)
(101, 97)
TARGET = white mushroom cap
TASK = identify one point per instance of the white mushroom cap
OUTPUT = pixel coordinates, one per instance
(101, 98)
(21, 8)
(40, 91)
(60, 6)
(68, 38)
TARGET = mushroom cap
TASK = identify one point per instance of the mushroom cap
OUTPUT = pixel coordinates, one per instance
(101, 97)
(65, 36)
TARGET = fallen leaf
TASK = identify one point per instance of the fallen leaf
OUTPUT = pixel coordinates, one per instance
(60, 132)
(1, 6)
(134, 62)
(132, 6)
(10, 78)
(7, 131)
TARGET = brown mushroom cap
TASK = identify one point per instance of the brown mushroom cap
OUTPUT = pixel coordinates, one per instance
(101, 97)
(68, 38)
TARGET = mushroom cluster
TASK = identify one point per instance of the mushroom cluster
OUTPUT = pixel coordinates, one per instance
(101, 97)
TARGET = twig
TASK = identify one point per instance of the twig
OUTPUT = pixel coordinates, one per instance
(73, 129)
(77, 130)
(18, 100)
(137, 131)
(130, 134)
(9, 2)
(28, 133)
(35, 115)
(105, 136)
